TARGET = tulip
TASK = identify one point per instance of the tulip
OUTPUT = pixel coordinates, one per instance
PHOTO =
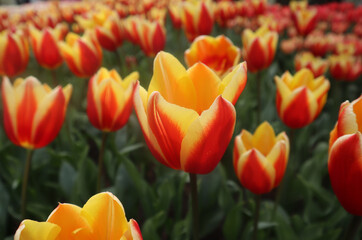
(14, 52)
(224, 12)
(102, 217)
(300, 98)
(317, 65)
(259, 48)
(152, 36)
(260, 160)
(33, 113)
(319, 45)
(345, 156)
(45, 46)
(345, 67)
(197, 18)
(305, 20)
(110, 99)
(83, 55)
(175, 14)
(130, 28)
(187, 116)
(217, 53)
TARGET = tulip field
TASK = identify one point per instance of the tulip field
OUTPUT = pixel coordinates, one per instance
(172, 119)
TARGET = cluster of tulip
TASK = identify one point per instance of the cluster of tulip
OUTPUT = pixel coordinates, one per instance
(187, 115)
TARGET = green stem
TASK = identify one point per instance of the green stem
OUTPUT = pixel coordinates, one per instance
(256, 217)
(195, 211)
(25, 181)
(277, 199)
(54, 77)
(353, 228)
(100, 161)
(258, 82)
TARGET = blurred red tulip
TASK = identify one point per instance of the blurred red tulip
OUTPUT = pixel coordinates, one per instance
(345, 67)
(317, 65)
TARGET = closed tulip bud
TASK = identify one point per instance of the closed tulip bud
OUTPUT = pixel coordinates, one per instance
(219, 53)
(110, 99)
(14, 52)
(345, 156)
(345, 67)
(260, 160)
(102, 217)
(45, 46)
(83, 55)
(33, 113)
(152, 36)
(300, 98)
(259, 48)
(317, 65)
(187, 116)
(197, 18)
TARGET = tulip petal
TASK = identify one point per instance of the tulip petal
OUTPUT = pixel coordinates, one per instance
(105, 215)
(9, 108)
(234, 83)
(135, 229)
(278, 158)
(171, 80)
(32, 230)
(264, 138)
(347, 121)
(68, 218)
(345, 168)
(169, 123)
(208, 137)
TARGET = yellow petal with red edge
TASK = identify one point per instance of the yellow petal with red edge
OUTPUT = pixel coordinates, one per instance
(278, 158)
(282, 87)
(234, 83)
(67, 90)
(264, 138)
(208, 137)
(172, 81)
(347, 121)
(133, 77)
(284, 137)
(169, 123)
(105, 215)
(68, 218)
(206, 84)
(133, 232)
(303, 77)
(357, 109)
(34, 85)
(11, 103)
(322, 87)
(247, 140)
(32, 230)
(140, 104)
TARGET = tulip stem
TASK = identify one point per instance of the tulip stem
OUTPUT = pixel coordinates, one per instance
(256, 217)
(100, 160)
(54, 77)
(353, 228)
(25, 181)
(258, 82)
(195, 210)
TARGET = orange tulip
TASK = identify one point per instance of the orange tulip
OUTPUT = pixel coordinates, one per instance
(197, 18)
(45, 46)
(217, 53)
(305, 20)
(187, 116)
(83, 55)
(152, 36)
(33, 113)
(259, 48)
(317, 65)
(300, 98)
(102, 217)
(14, 52)
(345, 157)
(345, 67)
(110, 99)
(260, 160)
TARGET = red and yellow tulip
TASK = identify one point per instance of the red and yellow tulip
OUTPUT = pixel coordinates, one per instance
(14, 52)
(197, 18)
(300, 98)
(345, 156)
(83, 55)
(110, 99)
(260, 160)
(45, 46)
(187, 116)
(152, 36)
(319, 45)
(219, 53)
(259, 48)
(102, 217)
(317, 65)
(305, 20)
(345, 67)
(33, 113)
(175, 13)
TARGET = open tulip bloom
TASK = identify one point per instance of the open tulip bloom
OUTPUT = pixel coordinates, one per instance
(102, 217)
(345, 156)
(187, 116)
